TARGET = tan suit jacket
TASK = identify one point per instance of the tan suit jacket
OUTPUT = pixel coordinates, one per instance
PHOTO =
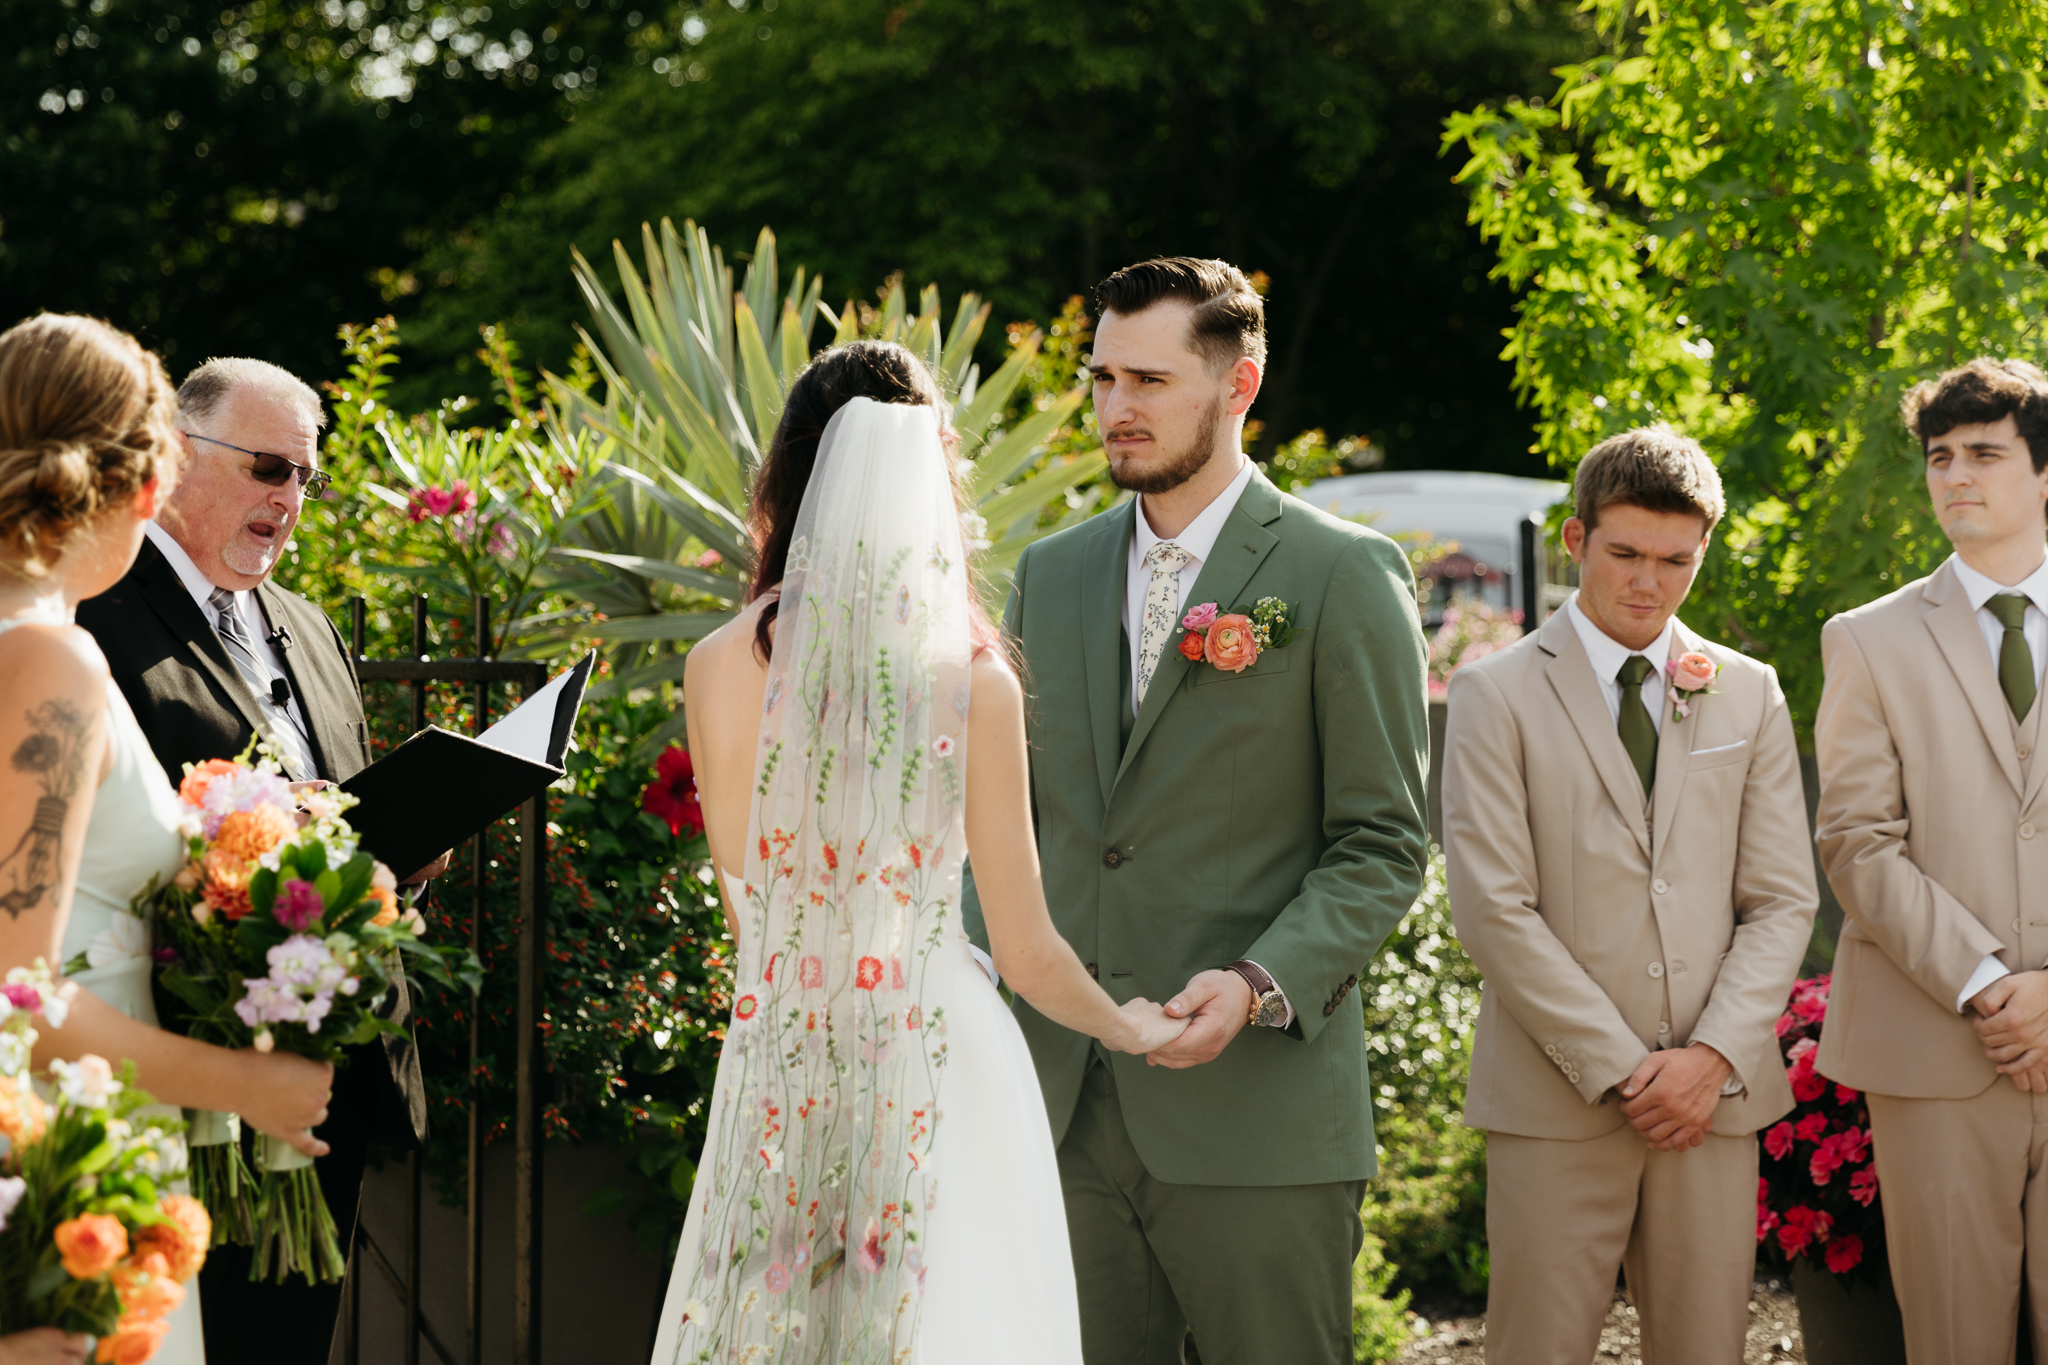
(1934, 831)
(1604, 929)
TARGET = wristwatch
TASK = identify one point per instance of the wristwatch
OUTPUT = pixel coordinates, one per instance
(1269, 1006)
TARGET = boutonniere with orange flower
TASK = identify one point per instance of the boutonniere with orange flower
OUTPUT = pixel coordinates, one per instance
(1689, 676)
(1233, 640)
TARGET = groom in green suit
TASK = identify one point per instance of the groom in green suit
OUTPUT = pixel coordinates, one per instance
(1228, 733)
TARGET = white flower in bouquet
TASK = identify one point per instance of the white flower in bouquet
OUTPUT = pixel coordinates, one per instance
(123, 940)
(88, 1082)
(12, 1188)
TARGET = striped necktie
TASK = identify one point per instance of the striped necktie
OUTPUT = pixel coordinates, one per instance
(234, 633)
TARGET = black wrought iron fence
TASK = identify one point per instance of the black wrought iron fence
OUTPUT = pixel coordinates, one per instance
(480, 673)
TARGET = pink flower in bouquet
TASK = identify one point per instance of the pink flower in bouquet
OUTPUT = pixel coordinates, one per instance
(200, 776)
(1201, 618)
(672, 795)
(298, 904)
(1863, 1186)
(441, 502)
(22, 996)
(1778, 1140)
(243, 789)
(1826, 1160)
(1232, 646)
(1845, 1253)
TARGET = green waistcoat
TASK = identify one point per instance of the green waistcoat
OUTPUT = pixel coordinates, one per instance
(1274, 814)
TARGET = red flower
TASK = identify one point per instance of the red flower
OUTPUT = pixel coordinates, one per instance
(867, 974)
(1844, 1253)
(1863, 1186)
(895, 973)
(1803, 1225)
(831, 853)
(1778, 1141)
(810, 973)
(1810, 1128)
(745, 1008)
(913, 1019)
(672, 795)
(1844, 1095)
(1192, 643)
(1827, 1159)
(769, 975)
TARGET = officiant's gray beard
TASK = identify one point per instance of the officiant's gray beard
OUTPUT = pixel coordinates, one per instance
(1177, 470)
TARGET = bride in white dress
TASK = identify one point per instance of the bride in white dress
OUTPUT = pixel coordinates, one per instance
(878, 1183)
(87, 815)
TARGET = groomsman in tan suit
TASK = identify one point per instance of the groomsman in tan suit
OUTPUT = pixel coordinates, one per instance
(1934, 831)
(1629, 867)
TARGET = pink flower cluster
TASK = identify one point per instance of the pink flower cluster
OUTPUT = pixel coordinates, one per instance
(441, 502)
(1799, 1195)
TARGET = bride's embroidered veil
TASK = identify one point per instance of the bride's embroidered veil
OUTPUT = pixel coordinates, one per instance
(806, 1225)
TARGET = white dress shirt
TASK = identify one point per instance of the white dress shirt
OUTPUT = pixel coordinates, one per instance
(1198, 539)
(1607, 655)
(289, 728)
(2034, 625)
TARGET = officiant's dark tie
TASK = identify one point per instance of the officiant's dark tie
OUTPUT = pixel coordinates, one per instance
(2015, 660)
(1638, 727)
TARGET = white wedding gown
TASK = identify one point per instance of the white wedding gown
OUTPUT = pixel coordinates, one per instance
(1000, 1285)
(878, 1184)
(133, 837)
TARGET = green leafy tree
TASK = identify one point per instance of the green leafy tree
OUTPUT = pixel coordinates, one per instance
(1762, 224)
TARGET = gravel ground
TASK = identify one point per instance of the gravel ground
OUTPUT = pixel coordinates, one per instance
(1455, 1334)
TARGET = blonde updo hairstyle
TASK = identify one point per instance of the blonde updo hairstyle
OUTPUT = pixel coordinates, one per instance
(87, 418)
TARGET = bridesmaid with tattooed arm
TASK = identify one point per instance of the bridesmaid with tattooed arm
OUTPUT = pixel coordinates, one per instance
(88, 450)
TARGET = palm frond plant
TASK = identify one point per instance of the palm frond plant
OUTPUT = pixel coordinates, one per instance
(694, 372)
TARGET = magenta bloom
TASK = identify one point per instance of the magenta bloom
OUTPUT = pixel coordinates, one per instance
(1844, 1253)
(297, 905)
(1863, 1186)
(870, 1254)
(1778, 1141)
(1200, 618)
(22, 996)
(441, 502)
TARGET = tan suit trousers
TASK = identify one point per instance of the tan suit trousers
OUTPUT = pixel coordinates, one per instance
(1965, 1217)
(1562, 1216)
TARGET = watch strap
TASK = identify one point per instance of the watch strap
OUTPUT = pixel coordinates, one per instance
(1264, 988)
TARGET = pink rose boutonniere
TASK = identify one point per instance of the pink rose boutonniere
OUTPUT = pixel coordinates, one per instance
(1690, 675)
(1233, 640)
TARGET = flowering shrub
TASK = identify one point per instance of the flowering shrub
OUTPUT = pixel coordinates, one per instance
(672, 796)
(1817, 1194)
(1470, 630)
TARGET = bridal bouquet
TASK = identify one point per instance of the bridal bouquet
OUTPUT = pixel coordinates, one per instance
(279, 934)
(87, 1241)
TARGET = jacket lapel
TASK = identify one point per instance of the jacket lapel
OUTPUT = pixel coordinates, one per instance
(274, 602)
(166, 595)
(1241, 547)
(1102, 605)
(1674, 750)
(1954, 627)
(1571, 674)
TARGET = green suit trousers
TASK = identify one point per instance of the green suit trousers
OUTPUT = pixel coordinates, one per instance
(1260, 1274)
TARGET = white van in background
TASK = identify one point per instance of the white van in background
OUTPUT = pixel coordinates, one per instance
(1496, 521)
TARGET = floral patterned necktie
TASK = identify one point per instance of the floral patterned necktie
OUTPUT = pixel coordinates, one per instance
(1162, 611)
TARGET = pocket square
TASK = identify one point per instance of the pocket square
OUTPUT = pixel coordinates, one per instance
(1720, 748)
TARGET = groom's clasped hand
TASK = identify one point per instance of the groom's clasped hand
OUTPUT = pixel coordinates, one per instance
(1212, 1007)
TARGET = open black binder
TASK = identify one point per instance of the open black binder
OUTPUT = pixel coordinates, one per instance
(440, 788)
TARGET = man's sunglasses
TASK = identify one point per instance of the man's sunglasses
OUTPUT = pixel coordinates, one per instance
(273, 470)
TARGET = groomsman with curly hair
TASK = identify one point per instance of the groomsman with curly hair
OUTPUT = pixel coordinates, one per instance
(1934, 831)
(1626, 844)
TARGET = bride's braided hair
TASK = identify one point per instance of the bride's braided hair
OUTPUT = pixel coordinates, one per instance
(87, 417)
(881, 370)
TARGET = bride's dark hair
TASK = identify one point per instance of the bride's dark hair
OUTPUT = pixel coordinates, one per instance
(880, 370)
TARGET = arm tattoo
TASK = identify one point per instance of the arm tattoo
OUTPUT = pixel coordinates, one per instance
(54, 756)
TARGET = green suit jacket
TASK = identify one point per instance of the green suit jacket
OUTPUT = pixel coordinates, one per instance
(1274, 814)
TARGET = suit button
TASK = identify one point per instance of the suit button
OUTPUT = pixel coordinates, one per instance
(1112, 858)
(2024, 751)
(1550, 1051)
(1660, 886)
(1657, 969)
(2026, 831)
(1663, 1028)
(1093, 975)
(1572, 1076)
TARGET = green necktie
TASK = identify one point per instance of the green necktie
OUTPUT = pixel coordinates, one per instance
(1638, 727)
(2015, 660)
